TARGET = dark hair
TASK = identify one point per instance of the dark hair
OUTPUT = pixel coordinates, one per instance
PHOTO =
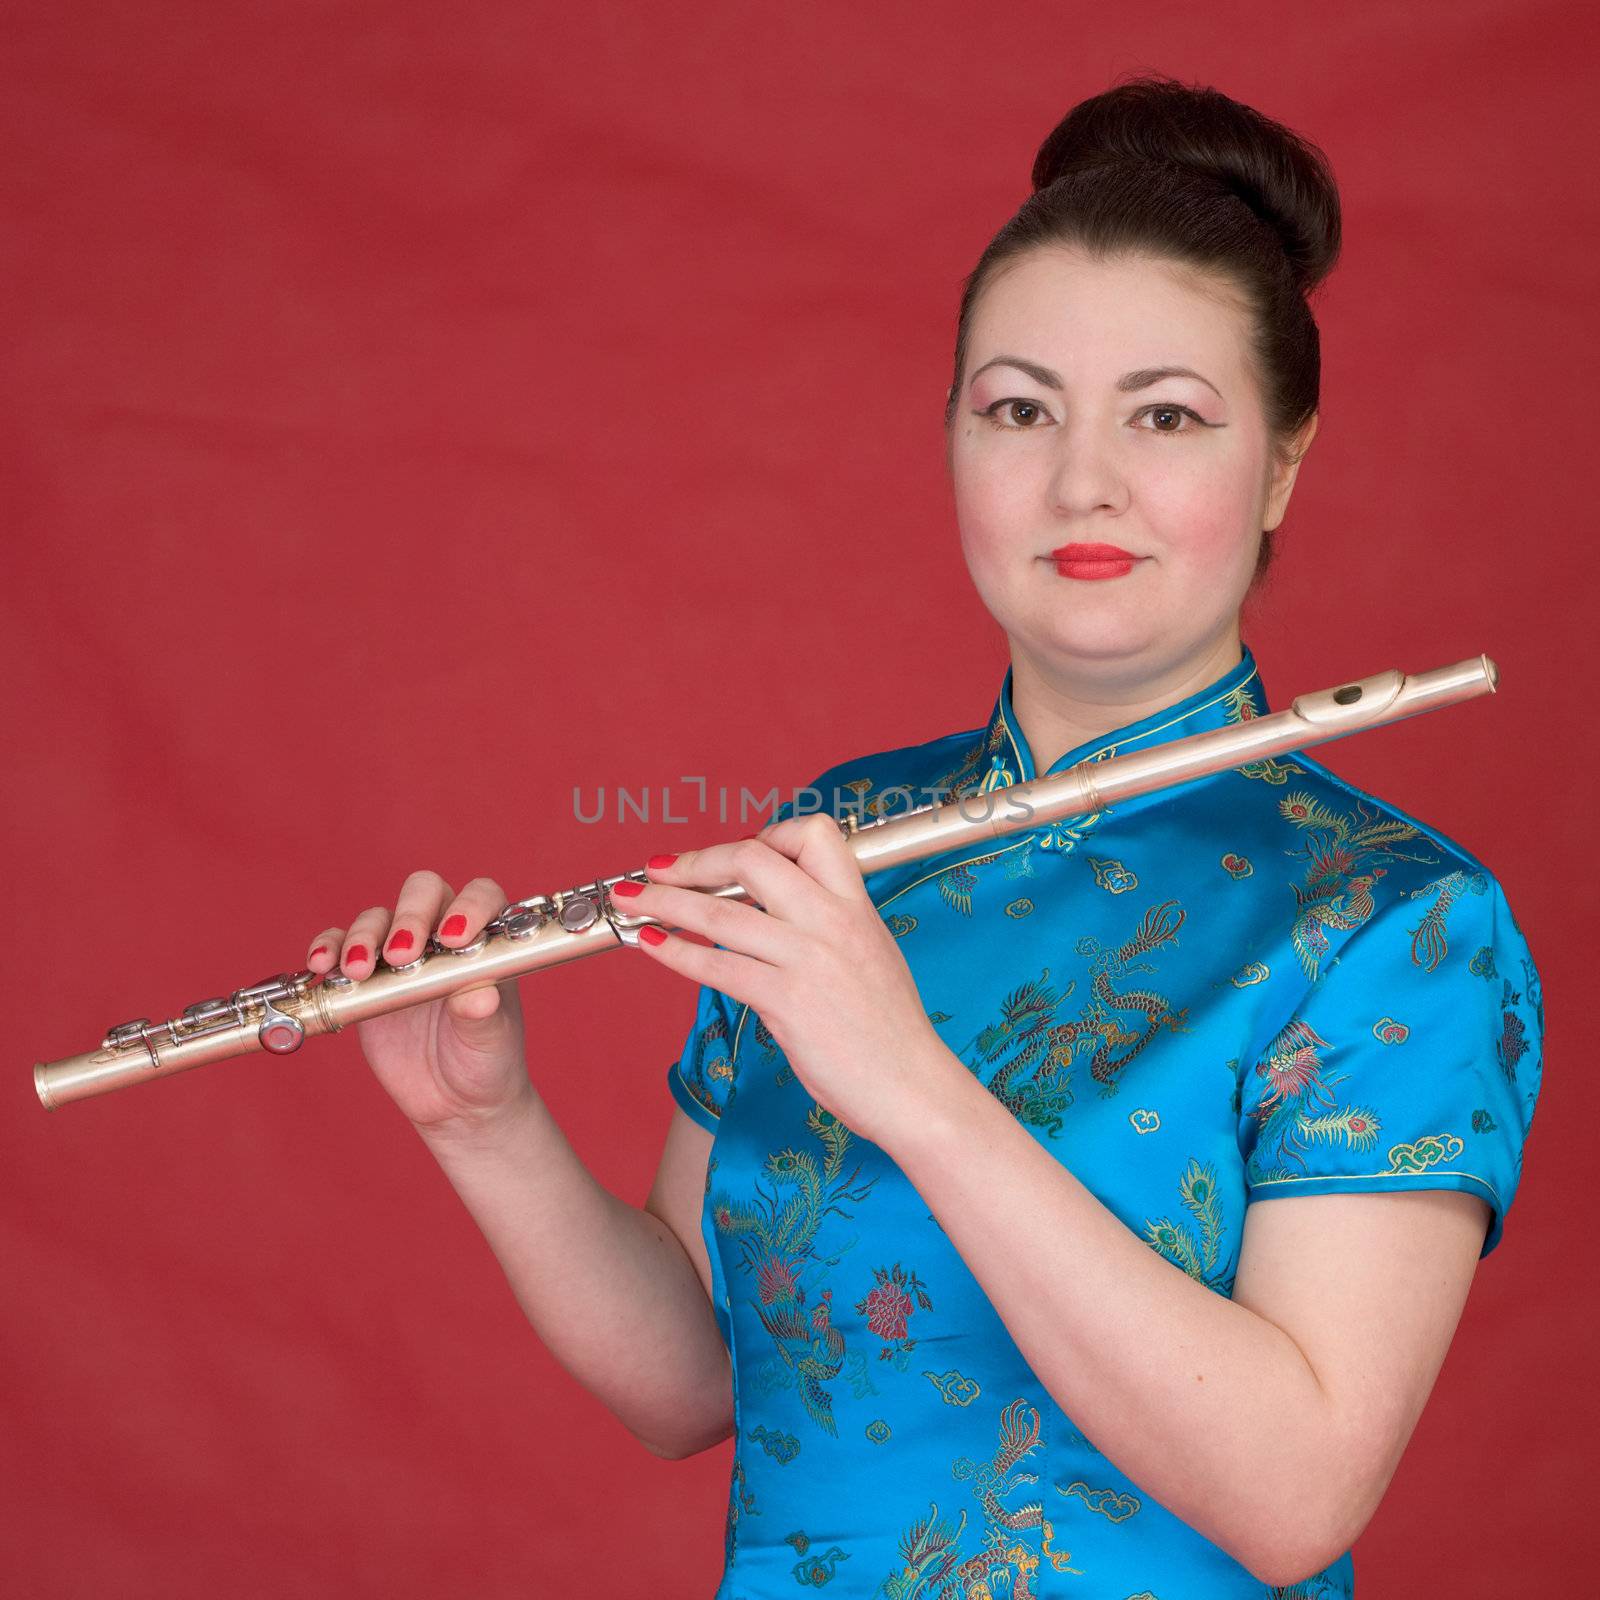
(1157, 167)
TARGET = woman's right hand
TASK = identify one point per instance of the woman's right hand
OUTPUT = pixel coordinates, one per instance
(456, 1064)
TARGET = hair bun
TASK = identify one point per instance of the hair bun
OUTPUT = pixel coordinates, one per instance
(1283, 178)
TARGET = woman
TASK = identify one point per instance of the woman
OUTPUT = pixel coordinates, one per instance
(953, 1229)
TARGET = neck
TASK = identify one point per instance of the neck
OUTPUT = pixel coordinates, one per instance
(1059, 709)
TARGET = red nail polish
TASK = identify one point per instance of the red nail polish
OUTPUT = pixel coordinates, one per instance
(454, 925)
(627, 888)
(652, 935)
(657, 863)
(356, 952)
(402, 940)
(321, 950)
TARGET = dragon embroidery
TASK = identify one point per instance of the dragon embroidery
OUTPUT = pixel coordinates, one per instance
(1028, 1033)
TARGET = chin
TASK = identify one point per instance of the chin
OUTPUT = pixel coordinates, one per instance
(1104, 638)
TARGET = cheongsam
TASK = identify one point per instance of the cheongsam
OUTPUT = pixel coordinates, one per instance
(1261, 982)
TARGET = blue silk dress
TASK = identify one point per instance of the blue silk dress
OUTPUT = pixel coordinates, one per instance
(1262, 982)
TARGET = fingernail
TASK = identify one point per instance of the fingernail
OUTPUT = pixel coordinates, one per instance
(453, 926)
(626, 887)
(356, 952)
(657, 863)
(401, 940)
(321, 950)
(652, 935)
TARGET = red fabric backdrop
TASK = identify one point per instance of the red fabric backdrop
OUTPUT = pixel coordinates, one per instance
(414, 412)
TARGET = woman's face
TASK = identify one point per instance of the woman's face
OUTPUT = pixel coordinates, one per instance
(1080, 445)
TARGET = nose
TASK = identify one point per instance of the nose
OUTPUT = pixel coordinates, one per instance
(1086, 475)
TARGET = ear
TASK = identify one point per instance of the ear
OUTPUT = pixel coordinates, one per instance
(1281, 484)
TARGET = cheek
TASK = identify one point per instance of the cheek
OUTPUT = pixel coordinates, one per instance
(992, 508)
(1204, 517)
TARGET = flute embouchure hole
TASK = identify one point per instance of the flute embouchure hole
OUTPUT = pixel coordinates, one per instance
(1348, 695)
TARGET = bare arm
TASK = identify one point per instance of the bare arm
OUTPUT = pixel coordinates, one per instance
(620, 1299)
(1319, 1365)
(594, 1274)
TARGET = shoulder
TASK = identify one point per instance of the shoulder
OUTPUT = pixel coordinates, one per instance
(1363, 891)
(1342, 790)
(1391, 893)
(1344, 824)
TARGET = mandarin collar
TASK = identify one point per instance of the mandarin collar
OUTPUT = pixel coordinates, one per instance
(1236, 696)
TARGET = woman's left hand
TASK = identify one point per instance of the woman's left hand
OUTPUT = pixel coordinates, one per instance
(817, 964)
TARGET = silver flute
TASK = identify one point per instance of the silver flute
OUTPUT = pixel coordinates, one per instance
(280, 1013)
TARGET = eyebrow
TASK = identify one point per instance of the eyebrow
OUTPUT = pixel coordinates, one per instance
(1129, 381)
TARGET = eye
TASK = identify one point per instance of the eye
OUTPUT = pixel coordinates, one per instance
(1027, 415)
(1033, 406)
(1174, 412)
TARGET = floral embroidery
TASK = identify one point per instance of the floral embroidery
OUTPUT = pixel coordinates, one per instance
(888, 1307)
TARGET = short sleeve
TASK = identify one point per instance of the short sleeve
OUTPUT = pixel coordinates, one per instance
(1414, 1060)
(702, 1079)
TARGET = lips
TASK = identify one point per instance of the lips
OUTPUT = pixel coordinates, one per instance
(1092, 552)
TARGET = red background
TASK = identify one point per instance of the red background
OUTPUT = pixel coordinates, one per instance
(414, 412)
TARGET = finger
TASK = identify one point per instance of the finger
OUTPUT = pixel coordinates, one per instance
(474, 1004)
(741, 978)
(465, 915)
(359, 956)
(484, 1000)
(815, 844)
(775, 882)
(726, 922)
(416, 909)
(325, 949)
(462, 920)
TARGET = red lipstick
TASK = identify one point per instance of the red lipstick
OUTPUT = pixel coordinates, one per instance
(1093, 560)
